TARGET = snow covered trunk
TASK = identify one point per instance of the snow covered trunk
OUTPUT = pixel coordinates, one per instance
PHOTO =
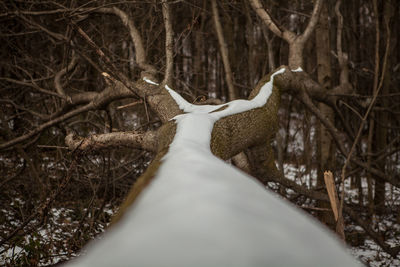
(194, 209)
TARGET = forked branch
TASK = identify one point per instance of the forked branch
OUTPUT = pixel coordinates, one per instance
(296, 43)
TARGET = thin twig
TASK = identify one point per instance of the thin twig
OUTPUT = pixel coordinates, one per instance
(40, 211)
(55, 147)
(364, 119)
(130, 104)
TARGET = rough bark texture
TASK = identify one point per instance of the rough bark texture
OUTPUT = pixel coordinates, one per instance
(223, 48)
(233, 134)
(382, 117)
(145, 141)
(324, 141)
(230, 136)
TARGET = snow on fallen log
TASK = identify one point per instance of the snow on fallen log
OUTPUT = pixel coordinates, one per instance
(200, 211)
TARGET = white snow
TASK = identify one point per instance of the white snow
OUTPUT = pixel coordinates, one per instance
(233, 107)
(147, 80)
(299, 69)
(200, 211)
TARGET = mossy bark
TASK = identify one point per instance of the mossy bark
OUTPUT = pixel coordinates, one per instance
(230, 136)
(235, 133)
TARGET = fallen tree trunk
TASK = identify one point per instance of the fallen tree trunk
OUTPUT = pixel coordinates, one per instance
(190, 208)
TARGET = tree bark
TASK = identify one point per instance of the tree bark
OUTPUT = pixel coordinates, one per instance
(381, 132)
(223, 48)
(230, 135)
(325, 150)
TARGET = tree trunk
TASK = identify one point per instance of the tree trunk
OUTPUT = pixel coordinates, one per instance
(296, 55)
(325, 151)
(230, 135)
(382, 116)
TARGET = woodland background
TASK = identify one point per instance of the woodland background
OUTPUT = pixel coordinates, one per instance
(54, 199)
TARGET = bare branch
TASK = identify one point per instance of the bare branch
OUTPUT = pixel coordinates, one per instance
(43, 206)
(312, 23)
(33, 85)
(224, 51)
(34, 113)
(149, 69)
(36, 13)
(136, 39)
(145, 141)
(55, 35)
(169, 45)
(61, 73)
(106, 96)
(160, 102)
(302, 86)
(266, 18)
(83, 98)
(306, 100)
(268, 40)
(110, 66)
(339, 29)
(47, 125)
(296, 43)
(342, 57)
(376, 90)
(377, 40)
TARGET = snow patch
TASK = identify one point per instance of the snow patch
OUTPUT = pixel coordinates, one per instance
(233, 107)
(149, 81)
(299, 69)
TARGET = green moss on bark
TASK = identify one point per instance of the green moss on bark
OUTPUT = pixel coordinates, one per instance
(235, 133)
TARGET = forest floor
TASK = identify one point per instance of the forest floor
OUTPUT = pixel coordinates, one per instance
(360, 245)
(58, 236)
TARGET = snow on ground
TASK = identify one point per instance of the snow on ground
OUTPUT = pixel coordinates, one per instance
(217, 215)
(301, 175)
(62, 218)
(370, 253)
(50, 240)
